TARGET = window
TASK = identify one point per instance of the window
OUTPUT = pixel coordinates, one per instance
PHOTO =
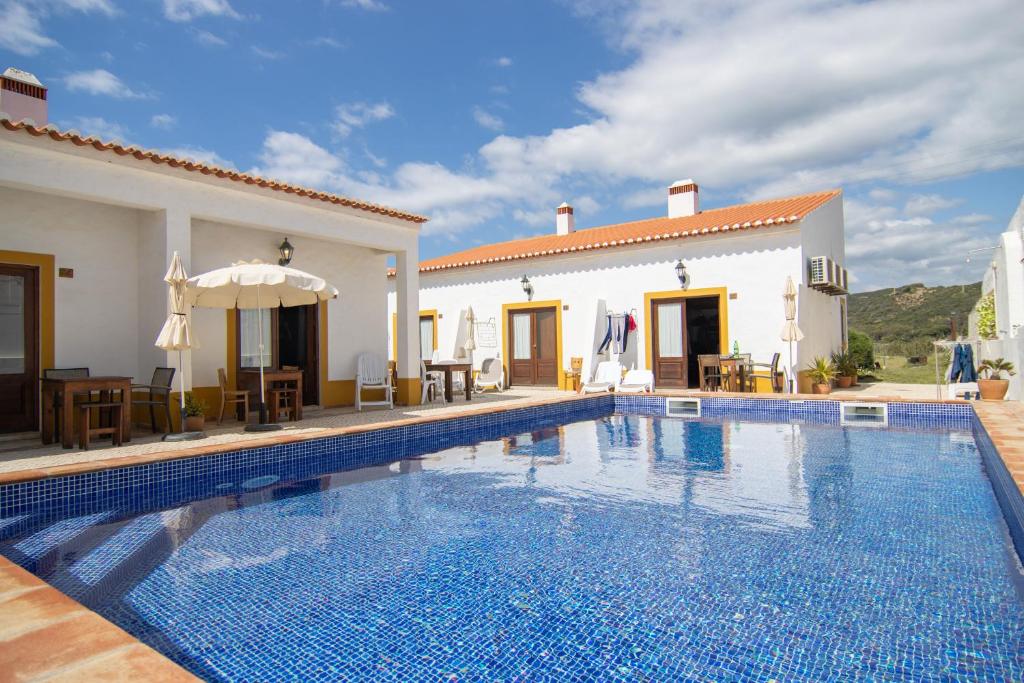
(249, 338)
(427, 337)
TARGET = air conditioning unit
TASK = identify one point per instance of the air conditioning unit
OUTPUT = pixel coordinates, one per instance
(827, 276)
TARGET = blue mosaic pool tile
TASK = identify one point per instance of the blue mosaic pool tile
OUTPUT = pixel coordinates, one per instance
(1011, 502)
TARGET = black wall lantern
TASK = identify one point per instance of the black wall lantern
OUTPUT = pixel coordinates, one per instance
(287, 251)
(684, 277)
(527, 287)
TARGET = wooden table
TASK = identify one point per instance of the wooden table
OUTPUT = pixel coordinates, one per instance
(734, 371)
(67, 388)
(448, 369)
(250, 379)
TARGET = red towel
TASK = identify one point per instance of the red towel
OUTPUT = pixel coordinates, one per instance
(632, 322)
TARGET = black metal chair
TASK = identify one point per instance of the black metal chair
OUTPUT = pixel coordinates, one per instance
(159, 395)
(772, 374)
(58, 397)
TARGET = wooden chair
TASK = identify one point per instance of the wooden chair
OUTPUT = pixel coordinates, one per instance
(772, 375)
(284, 400)
(233, 396)
(85, 429)
(709, 372)
(58, 398)
(159, 395)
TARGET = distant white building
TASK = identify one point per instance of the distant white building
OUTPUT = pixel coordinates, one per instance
(540, 301)
(1004, 281)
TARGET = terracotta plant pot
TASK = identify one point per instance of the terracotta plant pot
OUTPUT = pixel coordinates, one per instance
(195, 423)
(844, 381)
(821, 389)
(993, 389)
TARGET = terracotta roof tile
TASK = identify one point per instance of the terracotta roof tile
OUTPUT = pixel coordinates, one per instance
(206, 169)
(752, 216)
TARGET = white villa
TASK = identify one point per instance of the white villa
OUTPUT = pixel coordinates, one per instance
(87, 229)
(555, 293)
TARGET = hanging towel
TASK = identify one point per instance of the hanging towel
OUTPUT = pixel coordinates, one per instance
(615, 337)
(632, 323)
(969, 374)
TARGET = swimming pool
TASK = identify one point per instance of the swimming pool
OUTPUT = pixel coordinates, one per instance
(621, 546)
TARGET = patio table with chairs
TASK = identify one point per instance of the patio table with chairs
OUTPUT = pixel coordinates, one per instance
(449, 368)
(736, 373)
(283, 387)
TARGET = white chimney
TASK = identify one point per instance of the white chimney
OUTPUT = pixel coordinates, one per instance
(22, 96)
(682, 199)
(565, 222)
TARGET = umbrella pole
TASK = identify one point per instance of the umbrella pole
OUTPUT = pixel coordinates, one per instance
(263, 425)
(792, 370)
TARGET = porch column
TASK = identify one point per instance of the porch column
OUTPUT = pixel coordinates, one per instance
(407, 308)
(163, 232)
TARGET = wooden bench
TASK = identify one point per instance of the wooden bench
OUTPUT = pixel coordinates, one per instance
(85, 429)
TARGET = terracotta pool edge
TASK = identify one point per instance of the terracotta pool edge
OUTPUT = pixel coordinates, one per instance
(46, 634)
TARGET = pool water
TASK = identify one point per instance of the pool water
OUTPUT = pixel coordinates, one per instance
(624, 548)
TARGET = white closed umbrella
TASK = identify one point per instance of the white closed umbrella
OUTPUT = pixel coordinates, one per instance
(790, 331)
(176, 334)
(470, 344)
(258, 285)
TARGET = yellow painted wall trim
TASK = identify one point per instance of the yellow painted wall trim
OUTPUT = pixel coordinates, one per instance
(47, 306)
(425, 313)
(527, 305)
(408, 391)
(723, 315)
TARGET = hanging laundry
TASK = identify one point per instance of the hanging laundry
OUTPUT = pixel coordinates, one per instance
(632, 323)
(615, 336)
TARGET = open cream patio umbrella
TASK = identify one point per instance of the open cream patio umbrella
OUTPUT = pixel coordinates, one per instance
(790, 331)
(258, 285)
(176, 334)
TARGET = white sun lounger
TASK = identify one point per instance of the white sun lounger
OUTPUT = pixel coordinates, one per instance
(637, 382)
(607, 378)
(491, 375)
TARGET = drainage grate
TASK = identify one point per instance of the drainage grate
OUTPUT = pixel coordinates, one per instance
(682, 407)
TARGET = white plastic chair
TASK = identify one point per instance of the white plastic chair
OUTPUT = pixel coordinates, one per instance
(372, 373)
(491, 375)
(636, 382)
(431, 384)
(607, 377)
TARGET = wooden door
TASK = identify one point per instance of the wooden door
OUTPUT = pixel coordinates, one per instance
(668, 317)
(533, 347)
(19, 348)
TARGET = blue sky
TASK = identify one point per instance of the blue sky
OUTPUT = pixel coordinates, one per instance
(486, 115)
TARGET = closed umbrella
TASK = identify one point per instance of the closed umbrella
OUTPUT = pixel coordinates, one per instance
(790, 331)
(258, 285)
(470, 344)
(176, 334)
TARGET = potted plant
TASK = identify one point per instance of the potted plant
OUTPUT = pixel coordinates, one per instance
(846, 369)
(195, 413)
(822, 372)
(993, 387)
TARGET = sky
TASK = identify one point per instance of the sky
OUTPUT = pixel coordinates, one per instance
(485, 116)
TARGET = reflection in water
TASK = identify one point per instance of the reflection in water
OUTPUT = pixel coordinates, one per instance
(652, 548)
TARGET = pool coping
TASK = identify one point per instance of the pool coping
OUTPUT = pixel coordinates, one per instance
(44, 633)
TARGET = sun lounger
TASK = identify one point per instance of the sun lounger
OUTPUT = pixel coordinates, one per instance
(637, 382)
(607, 378)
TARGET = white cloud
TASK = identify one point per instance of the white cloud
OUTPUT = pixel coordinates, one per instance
(830, 93)
(98, 126)
(209, 39)
(102, 82)
(359, 114)
(22, 31)
(927, 204)
(369, 5)
(487, 120)
(163, 121)
(187, 10)
(327, 41)
(265, 53)
(296, 158)
(503, 61)
(200, 154)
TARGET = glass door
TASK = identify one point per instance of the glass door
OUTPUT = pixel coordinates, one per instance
(19, 344)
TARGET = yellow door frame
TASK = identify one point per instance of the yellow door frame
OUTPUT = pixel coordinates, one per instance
(526, 305)
(424, 313)
(723, 315)
(47, 306)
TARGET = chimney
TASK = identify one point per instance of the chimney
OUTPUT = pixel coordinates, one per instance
(682, 199)
(565, 223)
(22, 96)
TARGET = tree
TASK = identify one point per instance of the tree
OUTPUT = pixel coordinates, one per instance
(862, 349)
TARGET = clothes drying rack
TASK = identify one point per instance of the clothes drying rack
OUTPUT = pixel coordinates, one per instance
(942, 377)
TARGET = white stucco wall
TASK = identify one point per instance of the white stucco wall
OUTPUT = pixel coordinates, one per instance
(96, 310)
(751, 265)
(354, 326)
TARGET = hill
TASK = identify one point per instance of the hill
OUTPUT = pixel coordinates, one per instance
(911, 313)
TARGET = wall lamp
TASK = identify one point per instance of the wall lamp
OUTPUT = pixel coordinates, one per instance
(684, 277)
(527, 287)
(287, 251)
